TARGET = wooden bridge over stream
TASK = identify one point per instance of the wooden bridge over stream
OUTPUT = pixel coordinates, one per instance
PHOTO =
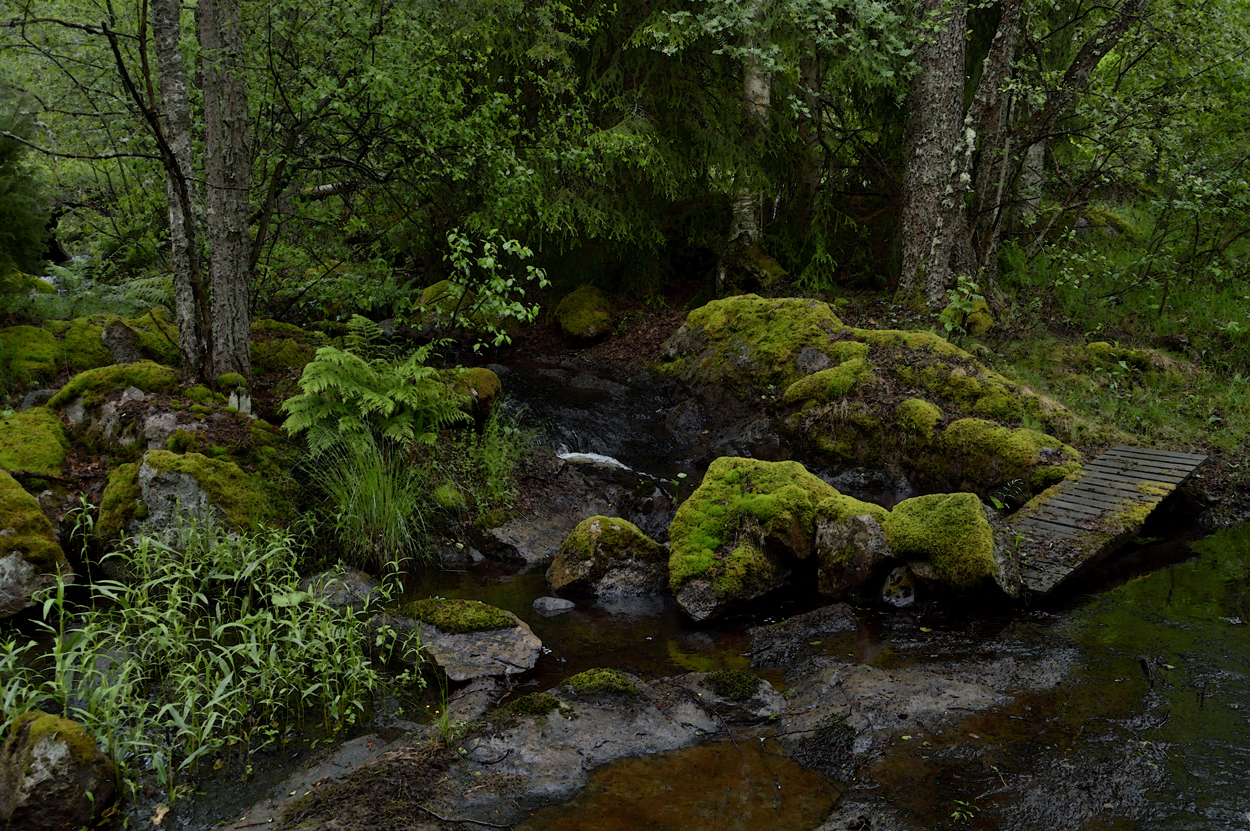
(1089, 515)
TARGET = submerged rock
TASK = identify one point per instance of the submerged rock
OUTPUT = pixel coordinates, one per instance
(609, 557)
(52, 776)
(549, 606)
(784, 644)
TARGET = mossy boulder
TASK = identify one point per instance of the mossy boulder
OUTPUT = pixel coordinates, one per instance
(36, 353)
(986, 455)
(95, 385)
(33, 440)
(480, 388)
(829, 384)
(30, 557)
(467, 639)
(975, 322)
(167, 489)
(918, 418)
(731, 538)
(609, 557)
(949, 530)
(52, 775)
(282, 347)
(585, 314)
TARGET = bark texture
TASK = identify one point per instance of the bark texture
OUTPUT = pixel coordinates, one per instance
(190, 299)
(228, 174)
(933, 183)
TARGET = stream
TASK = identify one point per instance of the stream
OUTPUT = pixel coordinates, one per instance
(1130, 694)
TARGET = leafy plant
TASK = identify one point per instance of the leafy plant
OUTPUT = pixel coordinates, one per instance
(349, 400)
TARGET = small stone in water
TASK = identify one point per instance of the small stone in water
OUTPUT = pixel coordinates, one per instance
(553, 605)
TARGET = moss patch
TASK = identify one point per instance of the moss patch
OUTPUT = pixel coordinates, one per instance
(951, 530)
(741, 503)
(121, 502)
(26, 528)
(94, 385)
(36, 352)
(33, 440)
(534, 705)
(611, 538)
(991, 454)
(920, 341)
(600, 680)
(585, 313)
(918, 417)
(842, 507)
(82, 747)
(733, 684)
(829, 384)
(238, 495)
(459, 616)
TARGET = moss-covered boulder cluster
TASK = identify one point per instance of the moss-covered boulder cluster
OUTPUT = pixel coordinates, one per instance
(750, 523)
(875, 397)
(43, 352)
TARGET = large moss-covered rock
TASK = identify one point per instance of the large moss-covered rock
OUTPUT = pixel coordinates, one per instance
(609, 557)
(731, 538)
(950, 530)
(166, 489)
(52, 776)
(33, 440)
(30, 557)
(479, 386)
(95, 385)
(281, 347)
(986, 455)
(468, 639)
(585, 313)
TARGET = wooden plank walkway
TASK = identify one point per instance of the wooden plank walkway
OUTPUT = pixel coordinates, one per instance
(1085, 517)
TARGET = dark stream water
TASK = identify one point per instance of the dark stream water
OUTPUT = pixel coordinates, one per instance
(1148, 716)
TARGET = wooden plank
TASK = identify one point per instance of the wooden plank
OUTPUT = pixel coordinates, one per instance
(1048, 527)
(1135, 465)
(1090, 499)
(1113, 488)
(1184, 459)
(1078, 521)
(1073, 506)
(1098, 478)
(1138, 474)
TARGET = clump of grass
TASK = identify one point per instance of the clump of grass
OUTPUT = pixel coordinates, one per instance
(601, 680)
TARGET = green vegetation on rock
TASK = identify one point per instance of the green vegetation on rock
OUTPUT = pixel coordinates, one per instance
(733, 684)
(950, 530)
(459, 616)
(585, 313)
(534, 705)
(991, 454)
(25, 528)
(842, 507)
(33, 440)
(602, 681)
(740, 497)
(121, 502)
(240, 496)
(36, 353)
(95, 385)
(610, 538)
(829, 384)
(918, 417)
(82, 747)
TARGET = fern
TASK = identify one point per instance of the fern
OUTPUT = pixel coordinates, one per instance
(349, 401)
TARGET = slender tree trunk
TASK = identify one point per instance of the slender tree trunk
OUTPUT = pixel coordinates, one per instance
(932, 141)
(228, 175)
(190, 299)
(1031, 180)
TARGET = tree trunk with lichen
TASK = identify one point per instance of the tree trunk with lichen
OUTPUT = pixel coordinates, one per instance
(932, 139)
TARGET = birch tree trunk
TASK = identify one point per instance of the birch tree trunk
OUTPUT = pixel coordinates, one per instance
(932, 142)
(190, 299)
(228, 175)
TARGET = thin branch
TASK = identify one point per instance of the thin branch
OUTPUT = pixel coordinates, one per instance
(87, 156)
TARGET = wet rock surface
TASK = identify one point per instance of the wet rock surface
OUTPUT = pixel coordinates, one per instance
(52, 776)
(783, 644)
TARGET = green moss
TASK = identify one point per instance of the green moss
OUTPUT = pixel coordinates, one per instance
(600, 680)
(181, 441)
(231, 381)
(842, 507)
(120, 502)
(33, 440)
(82, 747)
(272, 328)
(280, 355)
(585, 313)
(1104, 353)
(239, 496)
(778, 499)
(951, 530)
(459, 616)
(749, 344)
(829, 384)
(37, 353)
(743, 571)
(918, 417)
(610, 538)
(26, 528)
(951, 383)
(200, 394)
(95, 384)
(451, 498)
(83, 347)
(990, 451)
(919, 341)
(1043, 477)
(200, 409)
(478, 382)
(534, 705)
(733, 684)
(999, 403)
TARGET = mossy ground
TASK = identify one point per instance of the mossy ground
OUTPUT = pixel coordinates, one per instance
(733, 684)
(719, 530)
(918, 417)
(459, 616)
(602, 681)
(950, 530)
(27, 529)
(33, 440)
(95, 384)
(36, 353)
